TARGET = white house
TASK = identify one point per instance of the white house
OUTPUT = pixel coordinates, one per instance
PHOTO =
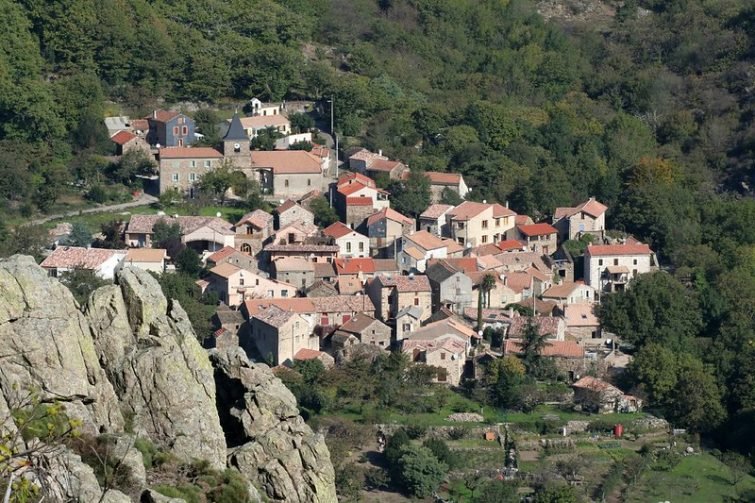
(609, 268)
(103, 262)
(571, 293)
(149, 259)
(350, 242)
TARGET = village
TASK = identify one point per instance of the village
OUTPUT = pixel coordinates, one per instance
(454, 290)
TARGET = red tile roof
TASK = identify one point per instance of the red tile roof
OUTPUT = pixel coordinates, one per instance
(189, 153)
(287, 161)
(286, 205)
(625, 249)
(145, 255)
(416, 283)
(463, 264)
(308, 354)
(522, 220)
(435, 210)
(354, 265)
(438, 178)
(359, 201)
(537, 229)
(162, 115)
(349, 188)
(140, 125)
(258, 218)
(75, 257)
(337, 230)
(510, 244)
(591, 207)
(562, 349)
(425, 240)
(221, 254)
(384, 165)
(390, 214)
(122, 137)
(356, 178)
(595, 384)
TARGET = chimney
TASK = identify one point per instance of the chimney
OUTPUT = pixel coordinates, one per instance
(380, 152)
(507, 203)
(484, 201)
(154, 114)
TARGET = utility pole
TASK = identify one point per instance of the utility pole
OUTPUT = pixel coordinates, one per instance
(332, 102)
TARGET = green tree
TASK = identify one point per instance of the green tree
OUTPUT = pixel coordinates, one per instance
(440, 450)
(496, 491)
(696, 401)
(217, 182)
(163, 231)
(81, 283)
(451, 197)
(80, 235)
(421, 472)
(533, 343)
(112, 232)
(656, 309)
(188, 262)
(265, 139)
(655, 367)
(301, 123)
(412, 196)
(394, 446)
(324, 214)
(132, 163)
(207, 120)
(557, 494)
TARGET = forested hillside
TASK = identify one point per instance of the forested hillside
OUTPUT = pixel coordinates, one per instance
(652, 112)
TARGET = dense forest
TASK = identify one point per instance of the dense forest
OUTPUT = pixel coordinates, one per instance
(651, 110)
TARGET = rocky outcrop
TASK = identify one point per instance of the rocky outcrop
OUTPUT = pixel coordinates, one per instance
(160, 372)
(67, 478)
(270, 442)
(47, 350)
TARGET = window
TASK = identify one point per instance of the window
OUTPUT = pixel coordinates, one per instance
(497, 222)
(174, 177)
(634, 262)
(600, 261)
(270, 294)
(348, 247)
(406, 327)
(442, 375)
(208, 164)
(184, 131)
(634, 273)
(361, 246)
(192, 177)
(460, 225)
(484, 238)
(284, 293)
(416, 301)
(175, 130)
(193, 164)
(484, 224)
(285, 183)
(257, 282)
(180, 142)
(309, 182)
(615, 261)
(443, 356)
(241, 281)
(381, 343)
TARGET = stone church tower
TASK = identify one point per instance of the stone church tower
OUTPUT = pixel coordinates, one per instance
(236, 148)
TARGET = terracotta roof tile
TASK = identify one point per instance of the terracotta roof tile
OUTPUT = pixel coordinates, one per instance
(416, 283)
(287, 161)
(258, 218)
(580, 315)
(390, 214)
(591, 207)
(547, 325)
(302, 248)
(221, 254)
(384, 165)
(595, 384)
(351, 178)
(510, 245)
(286, 205)
(625, 249)
(163, 115)
(225, 270)
(308, 354)
(562, 291)
(359, 201)
(145, 255)
(293, 264)
(537, 229)
(562, 349)
(425, 240)
(438, 178)
(435, 211)
(122, 137)
(359, 323)
(75, 257)
(263, 121)
(354, 265)
(274, 316)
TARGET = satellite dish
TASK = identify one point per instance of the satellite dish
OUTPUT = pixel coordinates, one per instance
(236, 145)
(157, 146)
(218, 214)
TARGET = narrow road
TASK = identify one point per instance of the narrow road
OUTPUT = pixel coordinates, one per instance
(143, 200)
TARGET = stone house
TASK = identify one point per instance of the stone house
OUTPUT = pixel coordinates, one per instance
(361, 158)
(419, 247)
(305, 354)
(258, 123)
(181, 168)
(570, 293)
(199, 233)
(610, 268)
(295, 233)
(395, 170)
(350, 242)
(252, 230)
(596, 395)
(500, 296)
(103, 263)
(391, 294)
(228, 255)
(366, 330)
(568, 356)
(451, 287)
(587, 218)
(384, 228)
(234, 285)
(441, 181)
(582, 324)
(407, 320)
(278, 334)
(149, 259)
(126, 141)
(357, 197)
(364, 269)
(474, 224)
(321, 288)
(290, 212)
(434, 221)
(295, 271)
(312, 252)
(539, 238)
(446, 353)
(168, 128)
(286, 173)
(554, 327)
(318, 311)
(228, 324)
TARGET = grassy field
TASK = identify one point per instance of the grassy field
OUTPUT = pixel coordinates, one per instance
(698, 478)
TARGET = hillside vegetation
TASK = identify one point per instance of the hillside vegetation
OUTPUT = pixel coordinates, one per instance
(653, 115)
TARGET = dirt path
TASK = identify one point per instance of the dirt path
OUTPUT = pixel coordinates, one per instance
(143, 200)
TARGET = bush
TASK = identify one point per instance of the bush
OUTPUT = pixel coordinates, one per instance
(601, 425)
(376, 478)
(148, 451)
(420, 471)
(457, 433)
(349, 480)
(416, 431)
(665, 460)
(441, 451)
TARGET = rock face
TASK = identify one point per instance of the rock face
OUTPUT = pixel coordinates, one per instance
(270, 443)
(159, 371)
(131, 358)
(47, 349)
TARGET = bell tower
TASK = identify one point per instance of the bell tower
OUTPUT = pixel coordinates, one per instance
(236, 146)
